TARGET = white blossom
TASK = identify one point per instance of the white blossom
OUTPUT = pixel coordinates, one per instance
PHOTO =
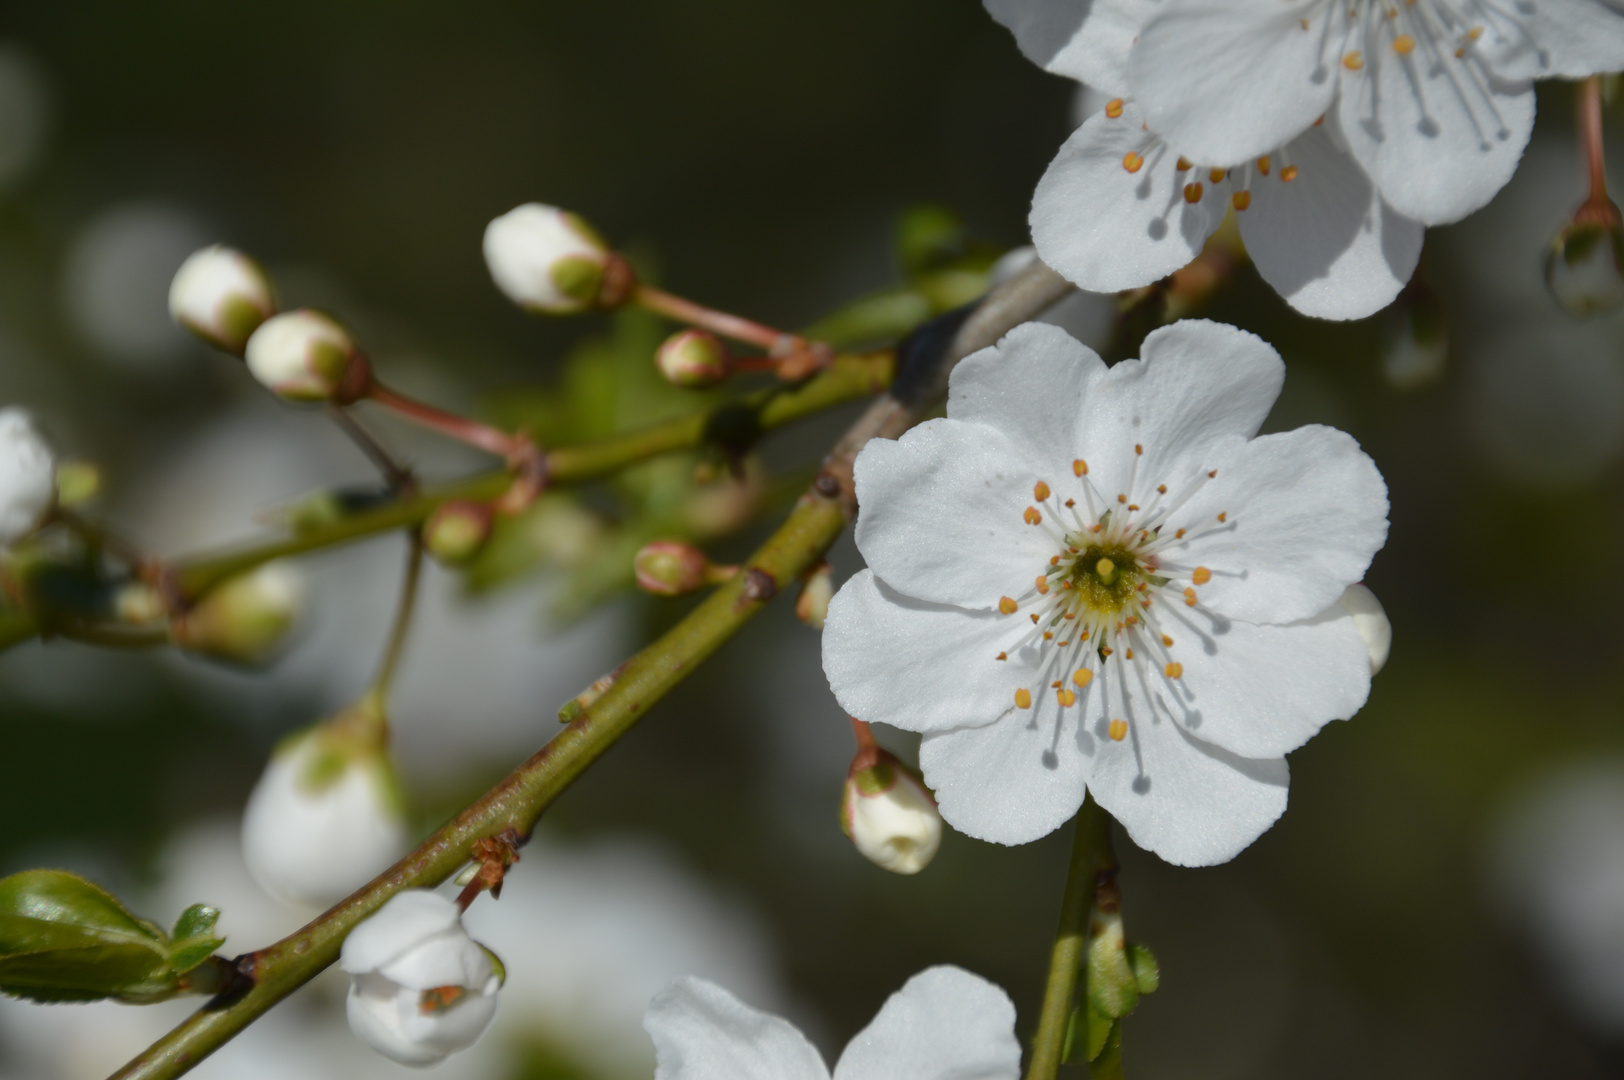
(323, 819)
(891, 817)
(545, 259)
(944, 1024)
(1096, 579)
(1370, 619)
(420, 987)
(27, 475)
(302, 355)
(222, 296)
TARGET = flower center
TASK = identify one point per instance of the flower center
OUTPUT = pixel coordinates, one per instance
(1101, 578)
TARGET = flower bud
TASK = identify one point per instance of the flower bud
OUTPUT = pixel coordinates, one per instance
(326, 815)
(693, 359)
(420, 987)
(304, 355)
(1370, 620)
(1585, 267)
(245, 619)
(77, 483)
(891, 816)
(222, 296)
(551, 262)
(670, 568)
(457, 530)
(812, 606)
(27, 475)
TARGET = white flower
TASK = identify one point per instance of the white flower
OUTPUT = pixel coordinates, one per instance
(944, 1024)
(1433, 96)
(1085, 578)
(27, 475)
(1119, 208)
(1086, 41)
(420, 987)
(222, 296)
(546, 259)
(303, 356)
(891, 817)
(1370, 619)
(323, 819)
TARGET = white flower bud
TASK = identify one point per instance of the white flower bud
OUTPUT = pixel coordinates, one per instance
(27, 475)
(245, 619)
(324, 818)
(1370, 619)
(306, 356)
(1585, 267)
(891, 817)
(420, 987)
(222, 296)
(547, 260)
(812, 606)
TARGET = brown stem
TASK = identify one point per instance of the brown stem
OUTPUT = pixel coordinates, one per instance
(1590, 134)
(718, 322)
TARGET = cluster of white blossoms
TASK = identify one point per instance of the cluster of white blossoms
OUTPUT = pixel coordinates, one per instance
(1337, 129)
(1092, 579)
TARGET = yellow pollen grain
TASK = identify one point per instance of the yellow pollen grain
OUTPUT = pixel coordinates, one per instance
(1263, 164)
(1040, 491)
(1054, 561)
(1105, 568)
(1118, 730)
(1095, 528)
(1048, 635)
(1179, 535)
(1288, 174)
(1183, 164)
(1023, 698)
(1057, 684)
(1071, 502)
(1043, 585)
(1224, 516)
(1003, 656)
(1063, 644)
(1354, 60)
(1161, 489)
(1006, 605)
(1404, 44)
(1133, 506)
(1065, 697)
(1073, 615)
(1133, 162)
(1113, 108)
(1241, 200)
(1130, 654)
(1175, 670)
(1201, 576)
(1189, 600)
(1122, 498)
(1082, 677)
(1167, 641)
(1080, 467)
(1138, 448)
(1216, 175)
(1083, 636)
(1133, 620)
(1192, 193)
(1034, 619)
(1032, 516)
(1212, 474)
(1474, 33)
(1105, 650)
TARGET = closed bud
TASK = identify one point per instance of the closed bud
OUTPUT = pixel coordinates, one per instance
(670, 568)
(1585, 267)
(326, 815)
(551, 262)
(420, 987)
(222, 296)
(457, 530)
(27, 475)
(245, 619)
(1370, 619)
(77, 483)
(693, 359)
(812, 606)
(890, 815)
(304, 355)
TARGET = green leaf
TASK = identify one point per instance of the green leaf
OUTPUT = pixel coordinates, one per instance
(1146, 972)
(192, 952)
(49, 908)
(196, 921)
(89, 973)
(1099, 1031)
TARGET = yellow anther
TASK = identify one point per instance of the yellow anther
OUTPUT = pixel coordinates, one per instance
(1034, 619)
(1263, 164)
(1189, 600)
(1474, 33)
(1175, 670)
(1032, 516)
(1179, 535)
(1224, 516)
(1404, 44)
(1354, 60)
(1105, 568)
(1138, 448)
(1192, 193)
(1105, 650)
(1057, 684)
(1080, 467)
(1040, 491)
(1006, 605)
(1003, 656)
(1212, 474)
(1065, 697)
(1289, 173)
(1167, 641)
(1183, 164)
(1241, 200)
(1113, 108)
(1043, 585)
(1118, 730)
(1216, 175)
(1133, 506)
(1303, 23)
(1201, 576)
(1048, 635)
(1161, 489)
(1054, 560)
(1133, 162)
(1023, 698)
(1082, 677)
(1129, 654)
(1071, 502)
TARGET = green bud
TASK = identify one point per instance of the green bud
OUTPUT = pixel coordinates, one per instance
(77, 482)
(244, 620)
(927, 237)
(670, 568)
(457, 531)
(693, 359)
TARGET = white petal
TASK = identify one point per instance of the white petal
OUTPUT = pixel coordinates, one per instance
(1546, 38)
(944, 1024)
(1191, 803)
(1261, 691)
(380, 1016)
(1305, 512)
(1437, 135)
(1013, 781)
(1105, 228)
(1228, 80)
(1370, 619)
(1086, 40)
(448, 959)
(915, 665)
(1326, 241)
(1031, 386)
(702, 1032)
(941, 515)
(407, 918)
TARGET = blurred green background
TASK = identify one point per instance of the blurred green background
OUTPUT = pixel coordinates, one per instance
(757, 156)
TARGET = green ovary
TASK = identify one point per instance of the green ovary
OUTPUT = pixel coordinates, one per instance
(1103, 577)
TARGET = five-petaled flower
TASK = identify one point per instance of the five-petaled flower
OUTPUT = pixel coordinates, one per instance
(945, 1023)
(1097, 579)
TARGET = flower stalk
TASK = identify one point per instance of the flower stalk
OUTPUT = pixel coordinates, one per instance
(1597, 208)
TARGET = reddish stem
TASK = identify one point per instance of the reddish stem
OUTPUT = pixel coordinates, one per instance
(718, 322)
(868, 750)
(1598, 209)
(472, 432)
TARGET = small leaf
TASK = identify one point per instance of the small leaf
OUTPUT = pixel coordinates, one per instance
(42, 909)
(196, 921)
(192, 952)
(134, 972)
(1099, 1031)
(1146, 972)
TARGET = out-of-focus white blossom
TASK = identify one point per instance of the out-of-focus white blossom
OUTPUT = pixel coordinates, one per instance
(245, 619)
(420, 987)
(27, 475)
(303, 356)
(1585, 268)
(222, 296)
(545, 259)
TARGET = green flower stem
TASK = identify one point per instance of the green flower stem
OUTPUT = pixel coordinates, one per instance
(1091, 854)
(519, 799)
(378, 693)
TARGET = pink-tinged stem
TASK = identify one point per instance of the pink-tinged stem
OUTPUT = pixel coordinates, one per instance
(1598, 208)
(472, 432)
(718, 322)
